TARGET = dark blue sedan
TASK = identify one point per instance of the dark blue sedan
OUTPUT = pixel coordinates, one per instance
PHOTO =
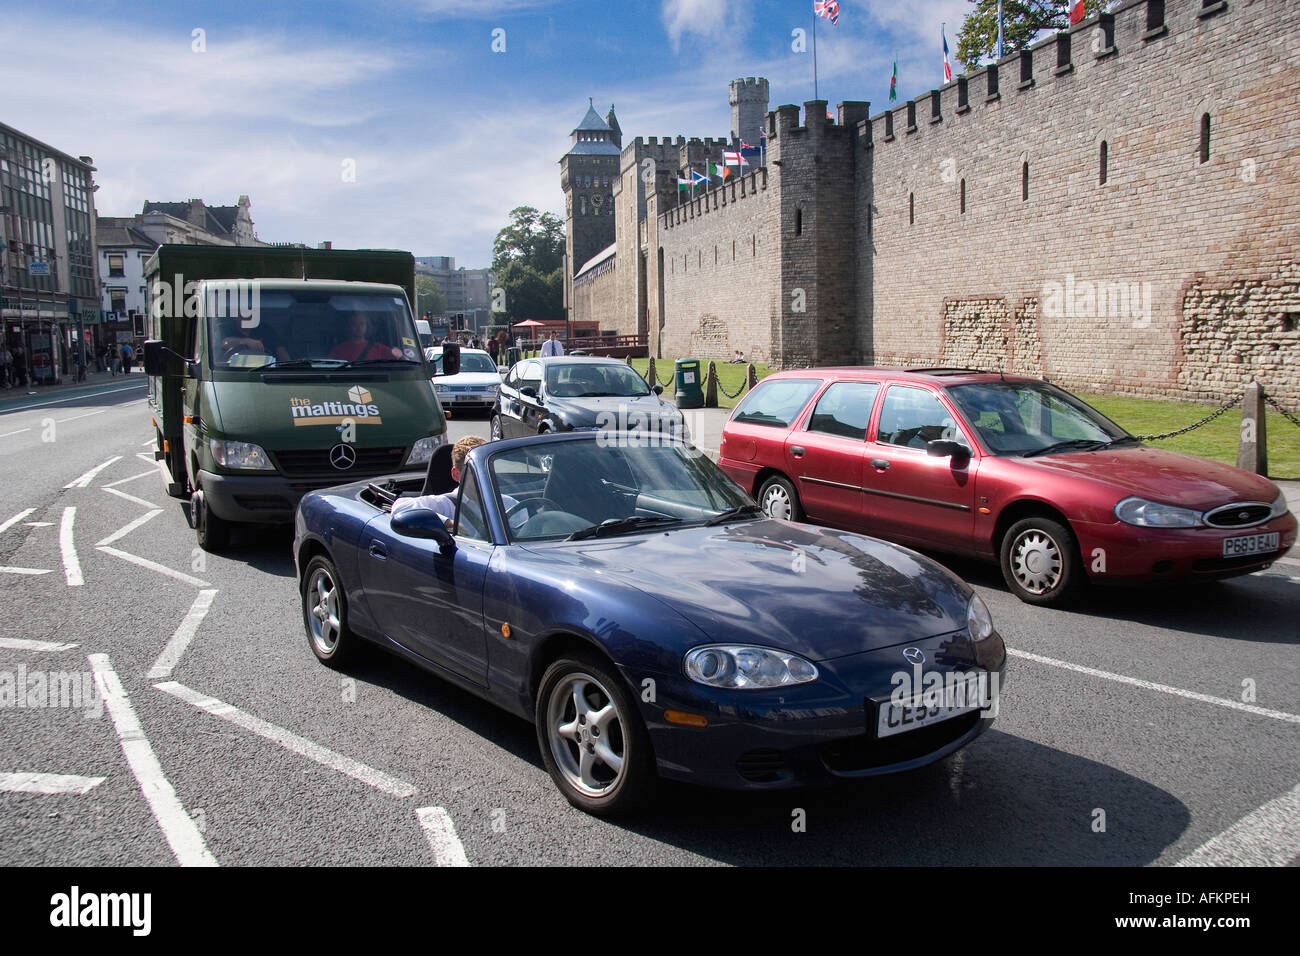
(618, 590)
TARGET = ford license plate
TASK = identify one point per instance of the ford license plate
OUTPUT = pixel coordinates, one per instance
(1251, 544)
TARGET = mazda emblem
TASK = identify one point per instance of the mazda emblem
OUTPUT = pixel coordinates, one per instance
(914, 655)
(343, 457)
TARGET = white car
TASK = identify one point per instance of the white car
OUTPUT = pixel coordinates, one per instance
(474, 386)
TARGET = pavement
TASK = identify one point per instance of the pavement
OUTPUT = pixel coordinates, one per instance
(96, 383)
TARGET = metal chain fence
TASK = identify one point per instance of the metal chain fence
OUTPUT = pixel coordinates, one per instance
(1282, 411)
(1231, 402)
(738, 391)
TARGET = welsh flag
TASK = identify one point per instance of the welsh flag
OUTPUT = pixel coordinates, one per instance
(684, 184)
(1078, 10)
(893, 84)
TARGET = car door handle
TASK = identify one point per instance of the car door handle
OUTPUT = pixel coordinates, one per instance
(880, 464)
(377, 550)
(798, 450)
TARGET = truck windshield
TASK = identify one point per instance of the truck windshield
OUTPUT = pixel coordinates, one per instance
(308, 328)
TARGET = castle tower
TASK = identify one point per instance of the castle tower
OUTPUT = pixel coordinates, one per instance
(748, 97)
(588, 172)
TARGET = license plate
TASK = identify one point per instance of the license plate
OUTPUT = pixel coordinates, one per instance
(1251, 544)
(896, 718)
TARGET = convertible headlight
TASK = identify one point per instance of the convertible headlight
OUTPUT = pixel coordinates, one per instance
(240, 454)
(1280, 507)
(1153, 514)
(422, 450)
(979, 622)
(742, 667)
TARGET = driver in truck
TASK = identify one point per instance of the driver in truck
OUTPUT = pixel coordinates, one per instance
(358, 346)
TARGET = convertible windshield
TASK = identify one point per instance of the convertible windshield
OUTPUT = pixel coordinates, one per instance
(1033, 418)
(609, 486)
(590, 380)
(303, 328)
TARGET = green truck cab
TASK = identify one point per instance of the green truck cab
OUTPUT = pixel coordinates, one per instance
(277, 371)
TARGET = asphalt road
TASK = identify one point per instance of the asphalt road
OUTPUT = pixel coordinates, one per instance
(1123, 738)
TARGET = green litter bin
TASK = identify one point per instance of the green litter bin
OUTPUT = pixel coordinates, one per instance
(513, 355)
(690, 385)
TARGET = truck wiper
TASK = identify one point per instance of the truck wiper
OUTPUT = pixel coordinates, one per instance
(305, 363)
(357, 363)
(611, 526)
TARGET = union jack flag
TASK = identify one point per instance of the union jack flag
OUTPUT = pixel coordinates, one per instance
(827, 10)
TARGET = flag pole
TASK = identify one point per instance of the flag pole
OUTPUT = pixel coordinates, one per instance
(814, 54)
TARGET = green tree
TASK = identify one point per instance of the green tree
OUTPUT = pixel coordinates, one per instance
(1022, 20)
(528, 259)
(429, 298)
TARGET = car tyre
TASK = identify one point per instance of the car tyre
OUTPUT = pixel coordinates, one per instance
(593, 741)
(325, 615)
(1040, 562)
(496, 433)
(778, 499)
(211, 531)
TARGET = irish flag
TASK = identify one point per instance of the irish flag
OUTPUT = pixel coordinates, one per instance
(1077, 11)
(722, 172)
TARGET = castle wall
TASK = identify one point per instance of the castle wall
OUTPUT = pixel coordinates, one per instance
(1175, 276)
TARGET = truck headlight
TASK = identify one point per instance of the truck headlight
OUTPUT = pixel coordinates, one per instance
(742, 667)
(422, 450)
(243, 455)
(1154, 514)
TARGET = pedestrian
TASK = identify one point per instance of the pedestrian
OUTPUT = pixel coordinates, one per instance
(553, 346)
(126, 359)
(20, 365)
(6, 363)
(101, 358)
(494, 349)
(116, 355)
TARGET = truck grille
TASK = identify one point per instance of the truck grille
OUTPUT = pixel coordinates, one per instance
(315, 463)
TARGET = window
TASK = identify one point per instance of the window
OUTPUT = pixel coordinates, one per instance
(1024, 182)
(1290, 321)
(798, 222)
(1205, 137)
(115, 266)
(912, 417)
(775, 402)
(844, 409)
(911, 208)
(117, 299)
(1102, 161)
(963, 197)
(470, 521)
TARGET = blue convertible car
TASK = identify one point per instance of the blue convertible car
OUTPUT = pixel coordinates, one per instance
(623, 594)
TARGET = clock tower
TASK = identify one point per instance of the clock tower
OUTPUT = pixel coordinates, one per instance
(588, 172)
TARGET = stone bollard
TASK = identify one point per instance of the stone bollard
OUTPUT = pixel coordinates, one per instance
(711, 386)
(752, 377)
(628, 360)
(650, 373)
(1252, 444)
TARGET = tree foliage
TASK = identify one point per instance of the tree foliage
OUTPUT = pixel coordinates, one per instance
(429, 298)
(528, 259)
(1022, 21)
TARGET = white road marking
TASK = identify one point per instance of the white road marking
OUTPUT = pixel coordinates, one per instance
(78, 398)
(155, 566)
(15, 519)
(19, 432)
(151, 441)
(123, 494)
(1163, 688)
(23, 644)
(441, 834)
(171, 654)
(48, 783)
(177, 826)
(99, 411)
(1270, 836)
(68, 548)
(122, 481)
(123, 532)
(85, 480)
(290, 741)
(143, 457)
(38, 524)
(7, 569)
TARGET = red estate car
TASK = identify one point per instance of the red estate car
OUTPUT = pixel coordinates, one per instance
(1005, 468)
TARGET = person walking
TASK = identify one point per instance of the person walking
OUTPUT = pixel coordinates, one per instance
(20, 365)
(6, 363)
(553, 346)
(494, 350)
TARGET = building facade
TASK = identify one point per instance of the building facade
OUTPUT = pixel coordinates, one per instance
(1115, 208)
(49, 283)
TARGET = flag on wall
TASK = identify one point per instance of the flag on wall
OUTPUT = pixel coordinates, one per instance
(947, 70)
(827, 10)
(999, 52)
(700, 178)
(722, 172)
(1077, 11)
(893, 84)
(732, 158)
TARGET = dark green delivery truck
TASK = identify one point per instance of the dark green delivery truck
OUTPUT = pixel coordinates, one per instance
(274, 371)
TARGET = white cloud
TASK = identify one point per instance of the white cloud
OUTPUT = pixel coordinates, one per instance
(710, 19)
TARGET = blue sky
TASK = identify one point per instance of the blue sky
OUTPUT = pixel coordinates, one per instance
(445, 135)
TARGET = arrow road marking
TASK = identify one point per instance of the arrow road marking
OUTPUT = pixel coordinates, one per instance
(6, 569)
(171, 654)
(155, 566)
(48, 783)
(122, 481)
(15, 519)
(85, 480)
(22, 644)
(123, 532)
(123, 494)
(177, 826)
(71, 566)
(290, 741)
(441, 834)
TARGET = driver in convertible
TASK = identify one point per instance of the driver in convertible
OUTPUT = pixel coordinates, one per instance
(445, 505)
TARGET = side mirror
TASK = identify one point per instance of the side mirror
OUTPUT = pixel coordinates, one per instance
(424, 523)
(155, 359)
(529, 391)
(451, 359)
(943, 448)
(658, 389)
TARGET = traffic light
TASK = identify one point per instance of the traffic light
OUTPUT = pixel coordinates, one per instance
(137, 324)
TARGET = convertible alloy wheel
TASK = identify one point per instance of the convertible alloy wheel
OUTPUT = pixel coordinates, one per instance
(1039, 561)
(592, 739)
(324, 612)
(778, 499)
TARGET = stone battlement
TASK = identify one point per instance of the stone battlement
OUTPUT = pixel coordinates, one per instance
(716, 199)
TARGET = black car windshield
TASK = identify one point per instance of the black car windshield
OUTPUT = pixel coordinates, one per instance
(1029, 418)
(629, 484)
(306, 328)
(593, 380)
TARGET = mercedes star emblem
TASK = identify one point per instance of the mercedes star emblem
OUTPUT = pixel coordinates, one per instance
(343, 457)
